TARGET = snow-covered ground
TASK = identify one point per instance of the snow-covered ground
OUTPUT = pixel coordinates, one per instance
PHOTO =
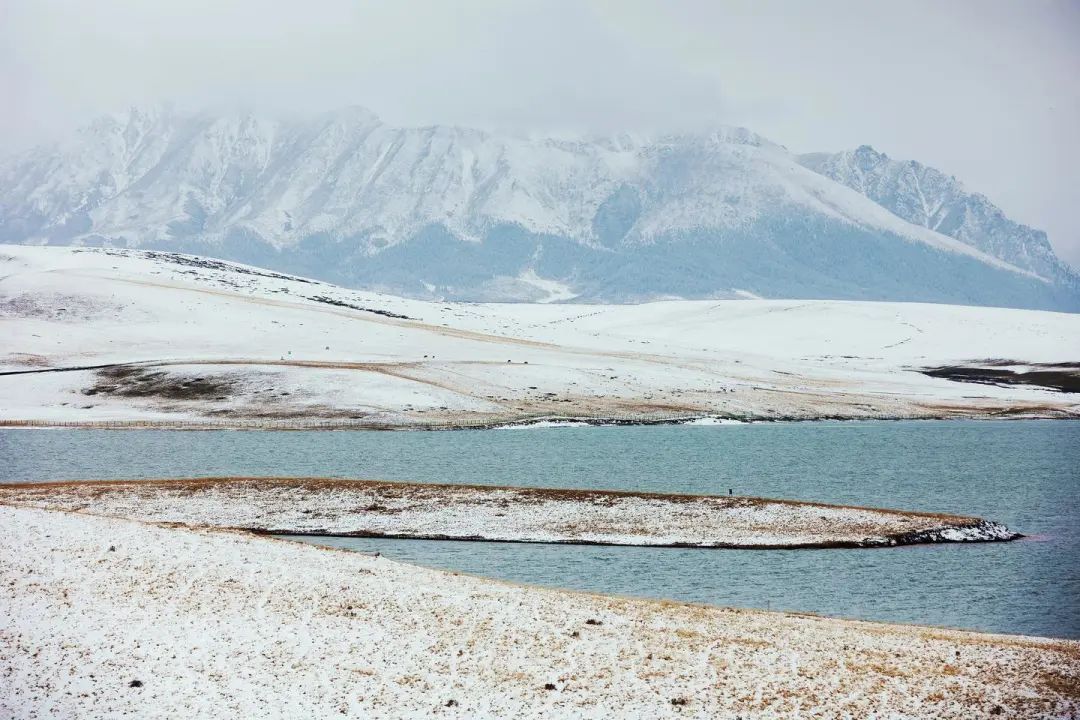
(217, 343)
(103, 617)
(357, 507)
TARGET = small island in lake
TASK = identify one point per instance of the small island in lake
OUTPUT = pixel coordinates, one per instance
(368, 508)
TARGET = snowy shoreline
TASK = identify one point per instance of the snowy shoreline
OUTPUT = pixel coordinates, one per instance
(366, 508)
(466, 423)
(105, 617)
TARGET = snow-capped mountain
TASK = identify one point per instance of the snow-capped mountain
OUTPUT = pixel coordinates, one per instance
(460, 213)
(928, 197)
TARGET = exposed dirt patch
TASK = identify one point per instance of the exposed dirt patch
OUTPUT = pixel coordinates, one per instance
(1063, 377)
(27, 359)
(145, 382)
(285, 413)
(947, 411)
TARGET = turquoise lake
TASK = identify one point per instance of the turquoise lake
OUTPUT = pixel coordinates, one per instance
(1025, 474)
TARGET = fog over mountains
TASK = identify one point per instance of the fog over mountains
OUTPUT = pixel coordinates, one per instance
(456, 213)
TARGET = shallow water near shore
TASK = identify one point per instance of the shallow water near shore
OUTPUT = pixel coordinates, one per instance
(1025, 474)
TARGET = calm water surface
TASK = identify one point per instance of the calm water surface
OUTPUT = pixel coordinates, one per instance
(1024, 473)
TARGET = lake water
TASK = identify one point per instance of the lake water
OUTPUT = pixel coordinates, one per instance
(1025, 474)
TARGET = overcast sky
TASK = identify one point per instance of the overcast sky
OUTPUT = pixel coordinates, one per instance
(983, 89)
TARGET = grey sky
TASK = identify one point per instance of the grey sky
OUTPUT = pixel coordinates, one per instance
(985, 90)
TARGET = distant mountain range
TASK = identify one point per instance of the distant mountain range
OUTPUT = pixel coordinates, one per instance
(928, 197)
(454, 213)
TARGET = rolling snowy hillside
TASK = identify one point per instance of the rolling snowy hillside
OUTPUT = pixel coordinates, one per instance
(103, 335)
(452, 213)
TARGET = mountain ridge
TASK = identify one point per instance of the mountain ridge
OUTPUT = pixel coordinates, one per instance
(926, 196)
(468, 214)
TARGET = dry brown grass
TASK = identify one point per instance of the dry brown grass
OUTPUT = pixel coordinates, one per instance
(1066, 685)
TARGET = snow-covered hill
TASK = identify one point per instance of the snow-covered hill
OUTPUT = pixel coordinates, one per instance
(103, 335)
(443, 212)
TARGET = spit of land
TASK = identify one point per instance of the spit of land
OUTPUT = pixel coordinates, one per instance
(320, 506)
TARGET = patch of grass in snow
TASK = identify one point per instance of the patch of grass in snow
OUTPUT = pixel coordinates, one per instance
(141, 382)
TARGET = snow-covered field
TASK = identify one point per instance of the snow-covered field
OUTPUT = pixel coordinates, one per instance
(211, 343)
(357, 507)
(103, 617)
